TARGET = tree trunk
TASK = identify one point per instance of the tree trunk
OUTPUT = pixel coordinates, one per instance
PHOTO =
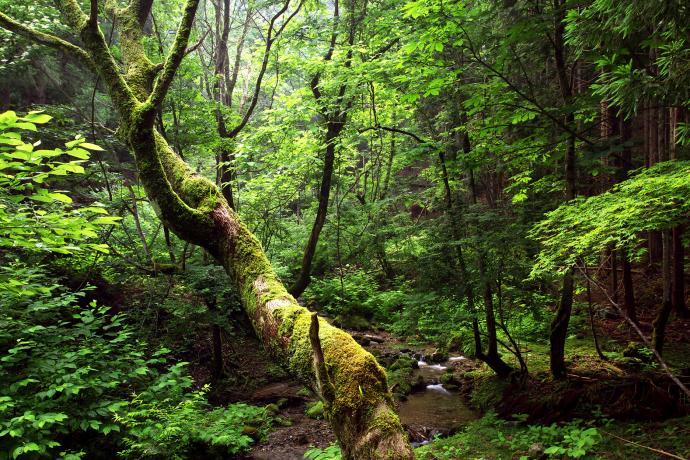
(304, 275)
(664, 312)
(628, 288)
(559, 325)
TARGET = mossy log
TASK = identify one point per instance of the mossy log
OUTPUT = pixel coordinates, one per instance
(359, 407)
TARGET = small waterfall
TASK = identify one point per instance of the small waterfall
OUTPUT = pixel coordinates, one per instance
(438, 388)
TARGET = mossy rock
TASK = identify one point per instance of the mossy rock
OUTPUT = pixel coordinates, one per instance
(439, 356)
(448, 378)
(418, 384)
(403, 362)
(400, 380)
(355, 322)
(272, 409)
(282, 421)
(630, 363)
(304, 392)
(315, 410)
(251, 431)
(638, 351)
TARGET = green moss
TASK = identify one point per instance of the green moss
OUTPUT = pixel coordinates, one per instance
(286, 317)
(403, 362)
(386, 421)
(315, 410)
(400, 380)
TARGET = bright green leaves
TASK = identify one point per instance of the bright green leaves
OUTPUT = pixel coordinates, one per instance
(655, 199)
(34, 217)
(10, 119)
(416, 9)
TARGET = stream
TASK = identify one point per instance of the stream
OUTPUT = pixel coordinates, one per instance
(436, 410)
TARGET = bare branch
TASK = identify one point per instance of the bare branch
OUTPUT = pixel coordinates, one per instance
(191, 49)
(637, 330)
(175, 56)
(270, 40)
(395, 130)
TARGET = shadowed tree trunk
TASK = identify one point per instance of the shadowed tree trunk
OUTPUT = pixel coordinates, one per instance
(559, 325)
(335, 119)
(664, 312)
(360, 408)
(678, 294)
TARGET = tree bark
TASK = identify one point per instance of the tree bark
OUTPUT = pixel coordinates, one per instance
(628, 288)
(678, 299)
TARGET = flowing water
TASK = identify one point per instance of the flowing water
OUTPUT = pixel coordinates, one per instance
(435, 410)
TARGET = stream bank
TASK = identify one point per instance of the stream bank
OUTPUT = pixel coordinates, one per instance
(434, 405)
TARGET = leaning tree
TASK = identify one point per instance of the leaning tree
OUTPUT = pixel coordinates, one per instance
(349, 380)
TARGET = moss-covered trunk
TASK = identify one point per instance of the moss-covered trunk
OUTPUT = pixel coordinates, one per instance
(360, 410)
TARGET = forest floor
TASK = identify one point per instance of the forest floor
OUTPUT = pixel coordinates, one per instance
(257, 380)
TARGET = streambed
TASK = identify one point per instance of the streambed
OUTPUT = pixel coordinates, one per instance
(435, 410)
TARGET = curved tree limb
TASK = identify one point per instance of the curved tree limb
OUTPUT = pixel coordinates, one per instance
(43, 38)
(175, 56)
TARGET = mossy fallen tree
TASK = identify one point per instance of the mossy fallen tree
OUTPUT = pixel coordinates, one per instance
(352, 384)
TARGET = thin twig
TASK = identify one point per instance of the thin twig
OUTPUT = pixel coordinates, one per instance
(639, 332)
(658, 451)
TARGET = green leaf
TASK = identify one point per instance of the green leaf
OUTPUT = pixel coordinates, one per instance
(26, 125)
(79, 153)
(60, 197)
(38, 117)
(90, 146)
(106, 220)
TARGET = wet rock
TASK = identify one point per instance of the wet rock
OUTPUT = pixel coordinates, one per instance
(438, 357)
(403, 362)
(360, 339)
(385, 358)
(374, 338)
(448, 378)
(418, 384)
